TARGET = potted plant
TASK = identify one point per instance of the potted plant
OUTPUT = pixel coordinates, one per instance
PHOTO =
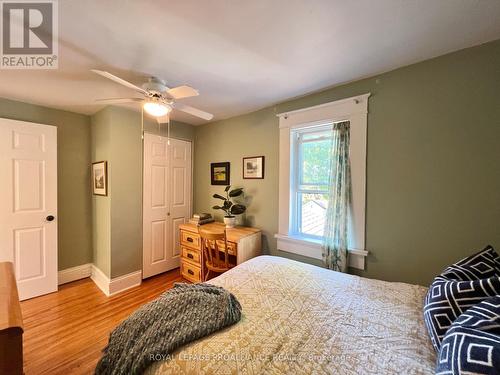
(230, 208)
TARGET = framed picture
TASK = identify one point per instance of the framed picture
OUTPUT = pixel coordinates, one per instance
(253, 167)
(100, 178)
(219, 173)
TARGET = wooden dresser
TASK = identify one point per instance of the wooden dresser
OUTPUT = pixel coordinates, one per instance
(11, 323)
(243, 243)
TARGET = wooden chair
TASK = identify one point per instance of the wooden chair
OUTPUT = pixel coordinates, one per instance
(212, 253)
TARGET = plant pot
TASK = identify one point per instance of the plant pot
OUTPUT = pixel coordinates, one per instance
(230, 221)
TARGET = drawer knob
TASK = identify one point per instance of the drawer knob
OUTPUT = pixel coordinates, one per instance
(191, 272)
(189, 239)
(190, 256)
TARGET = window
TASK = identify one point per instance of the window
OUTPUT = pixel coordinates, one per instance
(303, 176)
(310, 155)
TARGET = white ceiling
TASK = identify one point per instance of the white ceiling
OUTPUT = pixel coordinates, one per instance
(243, 55)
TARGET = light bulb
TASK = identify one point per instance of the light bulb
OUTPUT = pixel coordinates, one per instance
(157, 109)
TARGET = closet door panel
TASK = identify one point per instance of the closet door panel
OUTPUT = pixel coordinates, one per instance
(181, 189)
(166, 202)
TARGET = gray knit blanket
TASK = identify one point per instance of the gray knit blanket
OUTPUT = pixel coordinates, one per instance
(183, 314)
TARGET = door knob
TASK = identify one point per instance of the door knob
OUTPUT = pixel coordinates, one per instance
(168, 213)
(50, 218)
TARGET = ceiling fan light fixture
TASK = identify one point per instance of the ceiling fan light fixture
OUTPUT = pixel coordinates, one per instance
(159, 100)
(157, 109)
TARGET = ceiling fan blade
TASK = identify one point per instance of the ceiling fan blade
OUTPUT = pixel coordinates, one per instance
(194, 111)
(120, 81)
(119, 100)
(184, 91)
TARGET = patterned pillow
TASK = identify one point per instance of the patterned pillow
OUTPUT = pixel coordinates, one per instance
(472, 344)
(481, 265)
(459, 287)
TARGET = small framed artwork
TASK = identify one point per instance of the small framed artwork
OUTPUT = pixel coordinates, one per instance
(219, 173)
(253, 167)
(100, 178)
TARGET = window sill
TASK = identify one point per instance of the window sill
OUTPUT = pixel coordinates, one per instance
(311, 248)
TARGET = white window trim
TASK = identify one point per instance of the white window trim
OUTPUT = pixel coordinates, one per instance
(354, 110)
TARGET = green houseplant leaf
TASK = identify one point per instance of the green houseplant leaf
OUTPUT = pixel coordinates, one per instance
(227, 188)
(236, 192)
(218, 196)
(238, 209)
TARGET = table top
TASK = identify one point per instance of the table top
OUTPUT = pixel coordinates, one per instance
(233, 234)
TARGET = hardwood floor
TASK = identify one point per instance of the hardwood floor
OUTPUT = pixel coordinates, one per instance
(65, 332)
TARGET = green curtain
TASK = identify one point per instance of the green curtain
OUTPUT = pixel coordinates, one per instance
(335, 241)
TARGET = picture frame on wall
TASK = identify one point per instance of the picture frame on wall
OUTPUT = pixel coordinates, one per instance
(100, 178)
(253, 167)
(220, 173)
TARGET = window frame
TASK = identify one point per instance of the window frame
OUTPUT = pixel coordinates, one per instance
(354, 110)
(296, 174)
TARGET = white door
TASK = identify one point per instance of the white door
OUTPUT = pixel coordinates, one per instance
(28, 204)
(166, 202)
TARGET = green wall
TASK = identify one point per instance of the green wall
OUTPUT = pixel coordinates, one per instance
(106, 231)
(101, 205)
(117, 225)
(126, 192)
(253, 134)
(73, 160)
(433, 176)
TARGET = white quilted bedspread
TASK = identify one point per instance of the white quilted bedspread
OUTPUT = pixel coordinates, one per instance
(302, 319)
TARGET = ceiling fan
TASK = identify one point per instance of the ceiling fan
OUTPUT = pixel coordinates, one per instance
(158, 100)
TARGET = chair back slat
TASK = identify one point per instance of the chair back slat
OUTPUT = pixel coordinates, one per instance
(226, 251)
(206, 249)
(211, 250)
(216, 250)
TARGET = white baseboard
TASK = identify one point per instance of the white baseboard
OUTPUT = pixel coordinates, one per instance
(119, 284)
(100, 279)
(74, 273)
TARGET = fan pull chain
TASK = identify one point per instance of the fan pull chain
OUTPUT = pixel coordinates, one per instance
(168, 131)
(142, 122)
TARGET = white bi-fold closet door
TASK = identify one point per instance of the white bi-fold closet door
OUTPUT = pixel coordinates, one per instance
(28, 204)
(166, 202)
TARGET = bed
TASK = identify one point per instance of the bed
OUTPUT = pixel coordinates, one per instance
(303, 319)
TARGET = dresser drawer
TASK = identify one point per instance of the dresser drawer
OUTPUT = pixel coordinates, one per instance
(190, 271)
(231, 247)
(190, 239)
(192, 255)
